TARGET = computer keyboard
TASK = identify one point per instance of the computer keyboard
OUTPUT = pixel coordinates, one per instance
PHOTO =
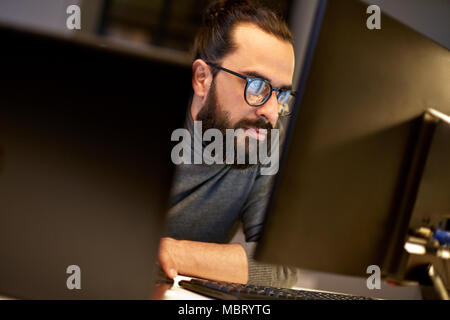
(235, 291)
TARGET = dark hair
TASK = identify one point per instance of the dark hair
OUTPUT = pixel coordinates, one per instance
(214, 39)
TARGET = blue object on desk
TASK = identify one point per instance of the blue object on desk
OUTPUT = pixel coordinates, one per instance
(442, 236)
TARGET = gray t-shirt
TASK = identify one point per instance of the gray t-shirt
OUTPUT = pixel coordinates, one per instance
(208, 201)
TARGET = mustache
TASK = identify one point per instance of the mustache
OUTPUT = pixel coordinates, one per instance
(258, 124)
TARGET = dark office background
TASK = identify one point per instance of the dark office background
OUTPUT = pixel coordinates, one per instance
(166, 23)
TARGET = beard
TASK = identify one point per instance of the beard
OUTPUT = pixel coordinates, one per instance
(214, 117)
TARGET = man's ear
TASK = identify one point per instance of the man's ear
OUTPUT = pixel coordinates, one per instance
(201, 78)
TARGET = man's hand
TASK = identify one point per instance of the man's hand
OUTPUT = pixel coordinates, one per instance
(166, 259)
(220, 262)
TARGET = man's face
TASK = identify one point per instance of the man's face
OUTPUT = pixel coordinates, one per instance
(258, 54)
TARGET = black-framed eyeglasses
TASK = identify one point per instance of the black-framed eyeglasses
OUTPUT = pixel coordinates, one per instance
(258, 91)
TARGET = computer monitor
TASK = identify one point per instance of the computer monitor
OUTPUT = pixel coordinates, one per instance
(336, 202)
(85, 167)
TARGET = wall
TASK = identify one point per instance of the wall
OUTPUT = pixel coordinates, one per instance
(49, 15)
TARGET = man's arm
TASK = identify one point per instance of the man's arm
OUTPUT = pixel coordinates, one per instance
(220, 262)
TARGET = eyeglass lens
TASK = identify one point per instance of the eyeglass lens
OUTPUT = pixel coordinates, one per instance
(258, 91)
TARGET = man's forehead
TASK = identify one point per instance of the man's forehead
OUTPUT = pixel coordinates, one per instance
(263, 53)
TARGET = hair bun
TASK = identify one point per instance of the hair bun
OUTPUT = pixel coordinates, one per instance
(217, 8)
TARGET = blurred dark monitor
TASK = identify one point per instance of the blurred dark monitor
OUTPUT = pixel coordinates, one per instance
(342, 201)
(85, 167)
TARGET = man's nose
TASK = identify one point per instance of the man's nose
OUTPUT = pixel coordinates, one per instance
(269, 110)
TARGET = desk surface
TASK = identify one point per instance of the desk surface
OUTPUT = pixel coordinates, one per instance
(175, 292)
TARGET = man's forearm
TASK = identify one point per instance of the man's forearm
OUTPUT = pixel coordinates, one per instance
(221, 262)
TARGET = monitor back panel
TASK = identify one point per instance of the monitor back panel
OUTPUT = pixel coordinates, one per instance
(335, 205)
(85, 166)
